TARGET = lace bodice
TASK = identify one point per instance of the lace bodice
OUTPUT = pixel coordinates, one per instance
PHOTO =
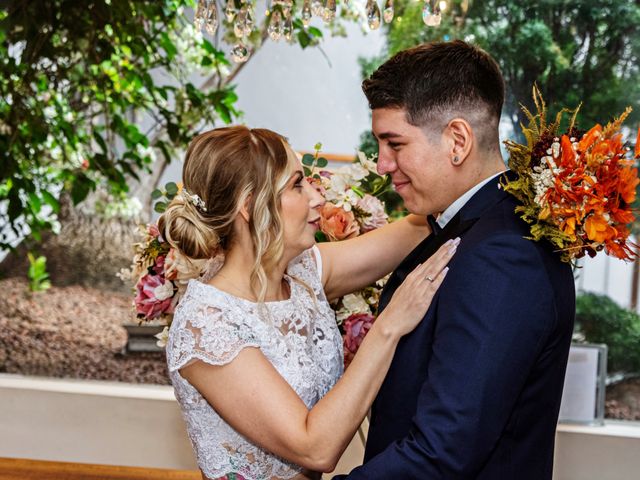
(213, 326)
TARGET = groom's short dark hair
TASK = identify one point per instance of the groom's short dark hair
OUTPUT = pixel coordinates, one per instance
(436, 80)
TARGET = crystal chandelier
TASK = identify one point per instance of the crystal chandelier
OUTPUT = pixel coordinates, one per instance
(240, 16)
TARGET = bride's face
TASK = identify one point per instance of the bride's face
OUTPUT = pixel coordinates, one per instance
(300, 208)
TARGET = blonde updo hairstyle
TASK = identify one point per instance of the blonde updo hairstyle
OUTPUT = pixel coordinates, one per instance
(226, 167)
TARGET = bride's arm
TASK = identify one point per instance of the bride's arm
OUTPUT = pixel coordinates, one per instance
(250, 395)
(355, 263)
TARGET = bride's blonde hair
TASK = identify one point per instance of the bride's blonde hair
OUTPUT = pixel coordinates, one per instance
(224, 169)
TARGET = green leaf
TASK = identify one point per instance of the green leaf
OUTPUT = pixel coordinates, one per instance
(307, 171)
(171, 188)
(322, 162)
(80, 189)
(307, 159)
(304, 39)
(168, 46)
(35, 202)
(160, 207)
(156, 194)
(316, 32)
(51, 201)
(100, 141)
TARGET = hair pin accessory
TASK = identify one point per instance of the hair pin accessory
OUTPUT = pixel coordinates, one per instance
(195, 200)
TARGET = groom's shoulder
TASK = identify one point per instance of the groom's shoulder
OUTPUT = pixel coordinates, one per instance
(501, 220)
(501, 230)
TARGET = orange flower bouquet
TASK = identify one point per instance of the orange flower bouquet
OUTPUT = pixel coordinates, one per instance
(576, 189)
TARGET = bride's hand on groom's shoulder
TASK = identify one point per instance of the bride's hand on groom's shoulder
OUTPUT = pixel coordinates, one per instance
(413, 297)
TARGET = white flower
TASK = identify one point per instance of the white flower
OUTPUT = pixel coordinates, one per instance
(49, 112)
(4, 128)
(355, 303)
(347, 200)
(351, 304)
(368, 163)
(125, 274)
(353, 173)
(164, 291)
(337, 184)
(163, 337)
(383, 281)
(146, 152)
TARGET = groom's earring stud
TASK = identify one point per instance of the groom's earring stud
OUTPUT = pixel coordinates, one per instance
(456, 159)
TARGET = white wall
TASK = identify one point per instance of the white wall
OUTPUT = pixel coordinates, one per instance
(299, 94)
(133, 425)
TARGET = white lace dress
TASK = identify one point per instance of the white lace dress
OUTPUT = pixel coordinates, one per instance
(214, 326)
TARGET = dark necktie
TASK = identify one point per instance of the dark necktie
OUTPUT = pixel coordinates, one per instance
(435, 226)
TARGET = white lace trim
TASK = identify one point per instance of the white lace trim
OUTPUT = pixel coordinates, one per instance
(213, 326)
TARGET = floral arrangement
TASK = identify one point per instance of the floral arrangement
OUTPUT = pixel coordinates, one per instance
(576, 188)
(353, 207)
(160, 273)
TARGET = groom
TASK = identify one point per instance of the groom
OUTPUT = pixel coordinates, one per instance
(474, 391)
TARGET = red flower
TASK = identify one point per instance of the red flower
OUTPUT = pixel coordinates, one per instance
(154, 296)
(355, 329)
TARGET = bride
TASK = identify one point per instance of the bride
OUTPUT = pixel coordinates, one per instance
(254, 354)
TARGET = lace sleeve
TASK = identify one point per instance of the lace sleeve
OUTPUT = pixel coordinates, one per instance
(209, 334)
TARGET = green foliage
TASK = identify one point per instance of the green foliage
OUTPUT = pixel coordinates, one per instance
(584, 51)
(164, 196)
(37, 274)
(601, 320)
(311, 162)
(78, 79)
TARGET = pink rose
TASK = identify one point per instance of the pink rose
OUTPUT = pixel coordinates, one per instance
(152, 229)
(154, 296)
(375, 208)
(355, 329)
(158, 266)
(337, 224)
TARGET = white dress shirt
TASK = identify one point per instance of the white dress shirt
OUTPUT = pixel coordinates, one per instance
(455, 207)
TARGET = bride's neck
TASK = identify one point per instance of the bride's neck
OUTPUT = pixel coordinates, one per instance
(235, 275)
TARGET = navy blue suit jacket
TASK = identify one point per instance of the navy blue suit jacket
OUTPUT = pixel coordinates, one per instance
(474, 391)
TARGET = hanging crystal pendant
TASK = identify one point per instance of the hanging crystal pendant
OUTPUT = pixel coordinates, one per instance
(211, 18)
(388, 11)
(287, 5)
(198, 19)
(244, 23)
(306, 13)
(249, 22)
(239, 24)
(431, 16)
(287, 29)
(329, 11)
(275, 26)
(240, 53)
(373, 15)
(317, 8)
(230, 10)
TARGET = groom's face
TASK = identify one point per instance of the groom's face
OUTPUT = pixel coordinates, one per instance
(416, 162)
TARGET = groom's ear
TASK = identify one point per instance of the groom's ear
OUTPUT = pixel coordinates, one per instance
(461, 138)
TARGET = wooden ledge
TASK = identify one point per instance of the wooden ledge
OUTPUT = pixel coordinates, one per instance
(333, 157)
(25, 469)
